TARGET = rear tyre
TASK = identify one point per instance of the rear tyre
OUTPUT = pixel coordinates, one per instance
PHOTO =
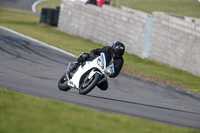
(63, 83)
(88, 84)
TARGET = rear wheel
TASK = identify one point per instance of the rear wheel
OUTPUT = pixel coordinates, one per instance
(88, 84)
(63, 83)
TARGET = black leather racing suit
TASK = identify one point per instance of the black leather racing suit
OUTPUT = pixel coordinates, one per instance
(118, 63)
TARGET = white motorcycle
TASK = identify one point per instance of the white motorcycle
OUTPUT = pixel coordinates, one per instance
(88, 74)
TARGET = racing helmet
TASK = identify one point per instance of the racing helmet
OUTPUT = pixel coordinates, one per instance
(118, 49)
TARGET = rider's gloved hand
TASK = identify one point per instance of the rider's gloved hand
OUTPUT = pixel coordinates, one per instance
(83, 57)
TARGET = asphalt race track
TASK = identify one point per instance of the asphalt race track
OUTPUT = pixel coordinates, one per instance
(28, 67)
(17, 4)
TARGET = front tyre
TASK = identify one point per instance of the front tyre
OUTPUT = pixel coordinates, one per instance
(88, 84)
(63, 83)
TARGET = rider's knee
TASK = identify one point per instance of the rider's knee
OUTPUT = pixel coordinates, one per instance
(103, 86)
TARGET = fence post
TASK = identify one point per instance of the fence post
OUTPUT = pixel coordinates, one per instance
(147, 37)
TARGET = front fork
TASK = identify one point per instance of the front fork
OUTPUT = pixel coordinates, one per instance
(93, 72)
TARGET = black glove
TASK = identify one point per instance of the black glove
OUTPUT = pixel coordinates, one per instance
(83, 57)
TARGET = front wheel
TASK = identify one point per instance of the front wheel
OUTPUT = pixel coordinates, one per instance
(63, 83)
(88, 84)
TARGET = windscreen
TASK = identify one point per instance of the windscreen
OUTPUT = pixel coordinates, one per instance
(109, 59)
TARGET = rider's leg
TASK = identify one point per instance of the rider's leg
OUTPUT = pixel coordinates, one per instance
(73, 66)
(80, 59)
(104, 85)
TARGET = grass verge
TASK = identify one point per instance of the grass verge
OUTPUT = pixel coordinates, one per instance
(21, 113)
(189, 8)
(142, 68)
(48, 4)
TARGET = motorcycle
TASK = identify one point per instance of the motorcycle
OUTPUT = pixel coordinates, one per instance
(88, 74)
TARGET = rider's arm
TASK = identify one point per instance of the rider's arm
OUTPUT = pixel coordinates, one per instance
(118, 63)
(96, 52)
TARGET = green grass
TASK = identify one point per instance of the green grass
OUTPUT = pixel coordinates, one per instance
(191, 82)
(189, 8)
(30, 26)
(21, 113)
(48, 4)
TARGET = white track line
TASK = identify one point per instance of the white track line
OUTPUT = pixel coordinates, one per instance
(35, 4)
(37, 41)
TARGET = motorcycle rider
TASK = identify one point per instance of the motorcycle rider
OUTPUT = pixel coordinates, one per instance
(116, 51)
